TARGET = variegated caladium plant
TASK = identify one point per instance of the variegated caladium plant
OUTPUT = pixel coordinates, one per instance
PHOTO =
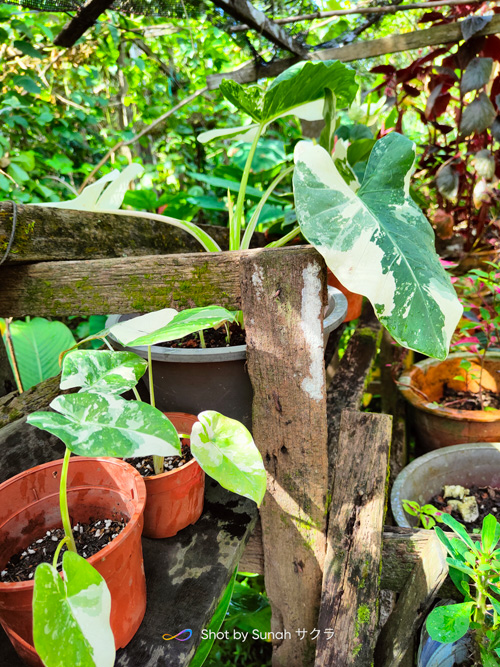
(377, 241)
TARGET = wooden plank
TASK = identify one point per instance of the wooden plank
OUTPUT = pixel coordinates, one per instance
(14, 405)
(346, 389)
(283, 296)
(414, 604)
(54, 234)
(242, 10)
(130, 285)
(252, 559)
(354, 552)
(449, 33)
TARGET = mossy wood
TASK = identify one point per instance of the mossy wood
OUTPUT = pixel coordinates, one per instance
(351, 582)
(415, 602)
(51, 234)
(13, 406)
(283, 295)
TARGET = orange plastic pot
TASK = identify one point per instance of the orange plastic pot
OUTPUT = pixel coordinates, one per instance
(174, 498)
(354, 301)
(441, 426)
(98, 488)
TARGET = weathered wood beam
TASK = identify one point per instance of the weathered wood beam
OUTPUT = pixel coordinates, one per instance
(354, 552)
(130, 285)
(85, 19)
(283, 296)
(449, 33)
(52, 234)
(347, 387)
(13, 406)
(427, 577)
(243, 10)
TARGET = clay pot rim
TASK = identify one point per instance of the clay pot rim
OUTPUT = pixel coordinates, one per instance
(139, 500)
(449, 413)
(162, 475)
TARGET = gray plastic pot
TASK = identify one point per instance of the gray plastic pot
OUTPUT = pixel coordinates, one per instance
(473, 463)
(216, 378)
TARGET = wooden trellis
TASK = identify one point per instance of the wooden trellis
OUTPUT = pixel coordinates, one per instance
(320, 540)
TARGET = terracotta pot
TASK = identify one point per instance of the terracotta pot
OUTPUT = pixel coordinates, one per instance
(98, 488)
(174, 498)
(354, 301)
(438, 426)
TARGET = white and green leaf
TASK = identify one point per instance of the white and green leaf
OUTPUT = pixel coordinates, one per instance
(377, 241)
(92, 424)
(225, 450)
(143, 325)
(182, 324)
(71, 616)
(102, 371)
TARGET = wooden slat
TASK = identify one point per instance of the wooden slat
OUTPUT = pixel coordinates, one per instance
(131, 285)
(54, 234)
(354, 552)
(346, 389)
(396, 638)
(13, 406)
(284, 296)
(442, 34)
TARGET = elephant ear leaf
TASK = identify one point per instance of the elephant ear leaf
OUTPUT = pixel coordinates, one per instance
(378, 242)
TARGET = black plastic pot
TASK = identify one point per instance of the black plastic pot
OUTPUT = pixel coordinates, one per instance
(193, 380)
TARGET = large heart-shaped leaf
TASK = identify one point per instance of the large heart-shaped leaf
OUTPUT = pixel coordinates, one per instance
(71, 616)
(446, 624)
(184, 323)
(129, 330)
(298, 91)
(102, 371)
(92, 424)
(37, 346)
(377, 241)
(225, 450)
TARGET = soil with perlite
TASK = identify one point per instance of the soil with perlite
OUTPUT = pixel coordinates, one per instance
(144, 464)
(467, 400)
(89, 539)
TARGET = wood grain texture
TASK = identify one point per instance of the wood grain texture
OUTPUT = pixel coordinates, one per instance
(347, 386)
(356, 517)
(13, 406)
(54, 234)
(421, 588)
(283, 296)
(443, 34)
(130, 285)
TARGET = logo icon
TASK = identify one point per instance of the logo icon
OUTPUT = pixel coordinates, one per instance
(179, 636)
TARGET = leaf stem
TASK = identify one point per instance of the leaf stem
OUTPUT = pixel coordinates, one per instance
(136, 394)
(202, 339)
(58, 551)
(235, 231)
(63, 502)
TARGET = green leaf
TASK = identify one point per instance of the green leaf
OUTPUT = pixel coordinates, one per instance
(92, 424)
(378, 243)
(446, 624)
(411, 507)
(27, 48)
(225, 450)
(305, 83)
(217, 619)
(37, 346)
(248, 99)
(146, 332)
(71, 623)
(327, 137)
(489, 533)
(248, 610)
(459, 530)
(17, 172)
(102, 371)
(26, 82)
(427, 521)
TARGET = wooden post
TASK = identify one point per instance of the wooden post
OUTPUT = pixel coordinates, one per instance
(351, 583)
(415, 602)
(282, 297)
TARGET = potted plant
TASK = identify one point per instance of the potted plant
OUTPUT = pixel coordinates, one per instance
(220, 446)
(475, 571)
(458, 400)
(468, 465)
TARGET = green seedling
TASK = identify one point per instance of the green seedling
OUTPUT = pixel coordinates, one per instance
(475, 571)
(428, 515)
